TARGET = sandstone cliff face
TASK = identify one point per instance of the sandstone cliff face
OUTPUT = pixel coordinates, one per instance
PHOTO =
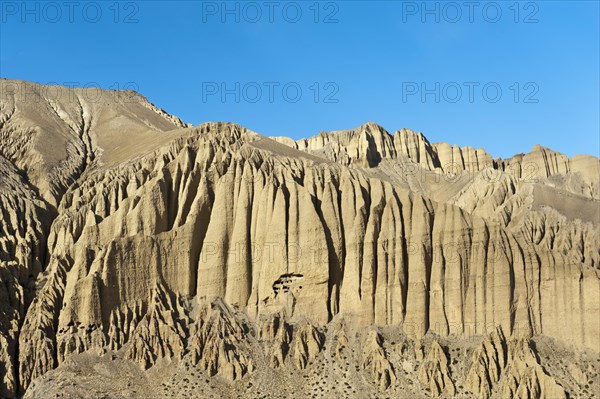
(126, 231)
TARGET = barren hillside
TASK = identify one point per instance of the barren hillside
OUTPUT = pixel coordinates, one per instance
(143, 257)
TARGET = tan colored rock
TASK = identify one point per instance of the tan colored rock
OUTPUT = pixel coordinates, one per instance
(341, 340)
(277, 335)
(217, 343)
(434, 374)
(577, 374)
(308, 342)
(525, 378)
(124, 229)
(375, 362)
(487, 364)
(160, 335)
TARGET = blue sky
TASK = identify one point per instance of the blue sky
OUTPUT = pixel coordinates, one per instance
(499, 75)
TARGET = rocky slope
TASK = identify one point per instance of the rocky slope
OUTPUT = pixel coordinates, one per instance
(142, 257)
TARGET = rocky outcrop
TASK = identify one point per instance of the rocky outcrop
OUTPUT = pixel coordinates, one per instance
(217, 343)
(161, 334)
(434, 374)
(11, 311)
(375, 361)
(501, 368)
(412, 153)
(276, 333)
(23, 230)
(525, 378)
(340, 338)
(487, 364)
(166, 246)
(308, 342)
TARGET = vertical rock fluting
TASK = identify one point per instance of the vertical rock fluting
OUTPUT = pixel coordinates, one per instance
(221, 218)
(22, 250)
(398, 258)
(48, 141)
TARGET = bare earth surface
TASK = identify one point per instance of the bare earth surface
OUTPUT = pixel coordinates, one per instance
(141, 257)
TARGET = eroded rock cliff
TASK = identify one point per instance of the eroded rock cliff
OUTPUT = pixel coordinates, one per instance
(129, 235)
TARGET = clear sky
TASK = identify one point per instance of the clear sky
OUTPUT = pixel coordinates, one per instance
(499, 75)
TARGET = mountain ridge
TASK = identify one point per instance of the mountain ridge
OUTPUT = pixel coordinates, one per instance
(215, 250)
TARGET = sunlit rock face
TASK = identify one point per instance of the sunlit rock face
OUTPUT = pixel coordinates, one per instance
(142, 257)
